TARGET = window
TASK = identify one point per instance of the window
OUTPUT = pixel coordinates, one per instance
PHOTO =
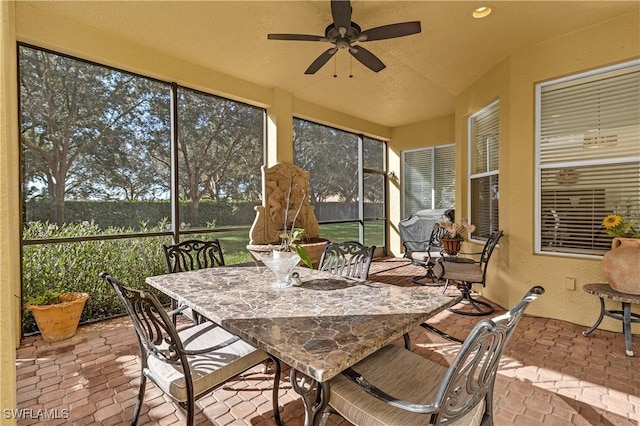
(220, 152)
(347, 181)
(428, 179)
(484, 144)
(104, 183)
(588, 157)
(96, 148)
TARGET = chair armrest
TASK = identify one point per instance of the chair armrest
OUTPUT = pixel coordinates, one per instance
(356, 378)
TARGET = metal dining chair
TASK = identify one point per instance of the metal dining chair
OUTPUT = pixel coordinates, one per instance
(190, 363)
(190, 255)
(426, 253)
(193, 254)
(421, 391)
(465, 272)
(347, 259)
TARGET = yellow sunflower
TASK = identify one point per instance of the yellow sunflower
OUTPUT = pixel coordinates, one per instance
(612, 221)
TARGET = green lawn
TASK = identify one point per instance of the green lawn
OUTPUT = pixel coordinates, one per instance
(234, 243)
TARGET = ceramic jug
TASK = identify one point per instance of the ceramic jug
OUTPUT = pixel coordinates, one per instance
(621, 265)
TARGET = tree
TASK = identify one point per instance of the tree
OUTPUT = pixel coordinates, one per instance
(220, 147)
(331, 157)
(77, 119)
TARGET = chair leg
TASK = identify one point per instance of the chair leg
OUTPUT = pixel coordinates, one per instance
(407, 341)
(276, 389)
(136, 410)
(446, 285)
(191, 407)
(429, 275)
(440, 333)
(481, 308)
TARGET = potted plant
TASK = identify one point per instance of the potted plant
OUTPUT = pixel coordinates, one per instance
(452, 238)
(57, 313)
(620, 264)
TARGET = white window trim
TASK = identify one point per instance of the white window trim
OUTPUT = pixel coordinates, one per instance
(470, 162)
(433, 151)
(568, 164)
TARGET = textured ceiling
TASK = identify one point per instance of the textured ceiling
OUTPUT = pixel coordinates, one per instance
(424, 71)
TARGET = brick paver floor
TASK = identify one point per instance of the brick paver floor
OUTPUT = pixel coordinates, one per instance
(549, 375)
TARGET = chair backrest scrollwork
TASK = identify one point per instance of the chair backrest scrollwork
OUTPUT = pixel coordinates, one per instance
(472, 374)
(155, 331)
(193, 254)
(348, 259)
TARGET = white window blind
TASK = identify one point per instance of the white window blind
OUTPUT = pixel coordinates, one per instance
(484, 144)
(588, 154)
(428, 180)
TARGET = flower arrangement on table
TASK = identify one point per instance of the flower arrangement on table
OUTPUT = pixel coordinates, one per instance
(454, 231)
(616, 226)
(452, 237)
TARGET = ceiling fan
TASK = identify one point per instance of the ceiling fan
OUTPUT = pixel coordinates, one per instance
(343, 32)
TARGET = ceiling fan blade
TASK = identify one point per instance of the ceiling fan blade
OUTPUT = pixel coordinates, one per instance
(298, 37)
(390, 31)
(341, 12)
(320, 61)
(367, 58)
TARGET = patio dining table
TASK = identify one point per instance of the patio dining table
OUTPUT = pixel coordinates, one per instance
(320, 327)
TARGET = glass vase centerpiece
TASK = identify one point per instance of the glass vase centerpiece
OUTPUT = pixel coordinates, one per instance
(281, 263)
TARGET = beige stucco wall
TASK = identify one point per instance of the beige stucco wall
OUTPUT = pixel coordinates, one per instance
(9, 213)
(515, 268)
(439, 131)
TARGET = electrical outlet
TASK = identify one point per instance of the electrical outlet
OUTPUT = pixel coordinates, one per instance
(570, 283)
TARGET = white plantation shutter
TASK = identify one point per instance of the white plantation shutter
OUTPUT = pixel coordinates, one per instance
(484, 144)
(428, 180)
(588, 157)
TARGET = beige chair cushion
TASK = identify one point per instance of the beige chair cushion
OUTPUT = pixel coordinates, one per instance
(469, 272)
(208, 370)
(402, 374)
(423, 256)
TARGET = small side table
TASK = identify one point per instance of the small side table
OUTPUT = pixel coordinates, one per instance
(604, 291)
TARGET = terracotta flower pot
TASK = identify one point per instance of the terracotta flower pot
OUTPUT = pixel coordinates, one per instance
(451, 246)
(59, 321)
(621, 265)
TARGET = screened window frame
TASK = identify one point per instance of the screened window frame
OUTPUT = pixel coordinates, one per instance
(432, 152)
(175, 231)
(575, 80)
(484, 174)
(362, 171)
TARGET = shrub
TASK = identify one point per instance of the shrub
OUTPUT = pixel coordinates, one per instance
(75, 266)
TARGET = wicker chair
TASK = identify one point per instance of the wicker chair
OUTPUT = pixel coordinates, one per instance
(348, 259)
(185, 364)
(421, 391)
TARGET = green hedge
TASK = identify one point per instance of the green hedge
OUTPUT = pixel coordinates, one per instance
(76, 266)
(129, 214)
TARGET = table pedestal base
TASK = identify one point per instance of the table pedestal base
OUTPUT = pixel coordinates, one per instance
(315, 396)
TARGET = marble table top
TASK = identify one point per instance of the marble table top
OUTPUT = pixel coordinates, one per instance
(320, 328)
